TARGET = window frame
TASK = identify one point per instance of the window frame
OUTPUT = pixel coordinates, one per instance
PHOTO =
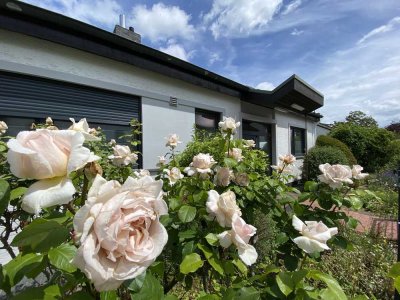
(303, 133)
(215, 114)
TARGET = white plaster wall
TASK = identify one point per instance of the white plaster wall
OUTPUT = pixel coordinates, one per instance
(29, 55)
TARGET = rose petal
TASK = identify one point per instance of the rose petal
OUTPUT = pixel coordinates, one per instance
(310, 245)
(297, 223)
(47, 192)
(225, 239)
(248, 254)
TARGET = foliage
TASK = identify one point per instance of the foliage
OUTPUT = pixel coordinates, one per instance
(368, 144)
(361, 266)
(361, 119)
(320, 155)
(383, 202)
(325, 140)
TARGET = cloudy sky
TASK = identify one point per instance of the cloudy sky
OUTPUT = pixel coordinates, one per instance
(348, 49)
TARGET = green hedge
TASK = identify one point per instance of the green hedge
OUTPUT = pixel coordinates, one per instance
(324, 140)
(321, 155)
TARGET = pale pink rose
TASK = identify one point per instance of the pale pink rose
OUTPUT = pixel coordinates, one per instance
(314, 235)
(249, 143)
(223, 207)
(287, 159)
(172, 141)
(356, 172)
(123, 156)
(161, 161)
(242, 179)
(3, 127)
(235, 153)
(83, 127)
(49, 155)
(240, 235)
(223, 176)
(335, 175)
(201, 164)
(119, 230)
(141, 173)
(228, 125)
(173, 175)
(112, 142)
(49, 121)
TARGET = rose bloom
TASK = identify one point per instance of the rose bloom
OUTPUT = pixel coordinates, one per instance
(173, 175)
(123, 156)
(142, 173)
(235, 153)
(335, 175)
(201, 164)
(242, 179)
(249, 143)
(161, 161)
(240, 235)
(356, 172)
(314, 235)
(228, 125)
(49, 121)
(287, 159)
(172, 140)
(223, 207)
(3, 127)
(223, 176)
(119, 230)
(49, 156)
(83, 127)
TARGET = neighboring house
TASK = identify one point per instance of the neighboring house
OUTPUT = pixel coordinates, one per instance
(323, 129)
(57, 66)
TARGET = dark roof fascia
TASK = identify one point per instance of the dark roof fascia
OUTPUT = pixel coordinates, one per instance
(54, 27)
(326, 126)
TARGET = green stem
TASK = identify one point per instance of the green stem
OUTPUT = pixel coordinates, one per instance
(302, 261)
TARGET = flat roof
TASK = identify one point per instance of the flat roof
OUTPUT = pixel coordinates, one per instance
(44, 24)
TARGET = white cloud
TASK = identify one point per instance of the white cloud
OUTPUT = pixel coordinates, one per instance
(97, 12)
(268, 86)
(291, 7)
(297, 32)
(240, 18)
(382, 29)
(177, 50)
(161, 22)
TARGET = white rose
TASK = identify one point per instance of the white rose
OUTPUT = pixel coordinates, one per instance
(49, 121)
(228, 125)
(161, 161)
(356, 172)
(223, 176)
(235, 153)
(49, 156)
(223, 207)
(123, 156)
(240, 235)
(83, 127)
(119, 230)
(335, 175)
(314, 235)
(112, 142)
(249, 143)
(172, 140)
(201, 164)
(287, 159)
(242, 179)
(142, 173)
(173, 175)
(3, 127)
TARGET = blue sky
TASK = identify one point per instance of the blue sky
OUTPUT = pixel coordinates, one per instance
(348, 49)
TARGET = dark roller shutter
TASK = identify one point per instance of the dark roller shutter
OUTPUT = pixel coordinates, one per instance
(27, 96)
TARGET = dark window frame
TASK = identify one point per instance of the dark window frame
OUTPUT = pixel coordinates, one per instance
(302, 132)
(215, 114)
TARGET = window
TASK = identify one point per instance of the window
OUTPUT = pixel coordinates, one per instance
(207, 120)
(298, 141)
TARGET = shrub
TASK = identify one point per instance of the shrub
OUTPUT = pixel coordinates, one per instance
(325, 140)
(321, 155)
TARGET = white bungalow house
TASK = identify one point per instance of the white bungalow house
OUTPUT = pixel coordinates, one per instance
(52, 65)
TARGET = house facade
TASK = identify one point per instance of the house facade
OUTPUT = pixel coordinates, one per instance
(57, 66)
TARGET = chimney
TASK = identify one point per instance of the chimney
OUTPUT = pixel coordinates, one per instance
(128, 34)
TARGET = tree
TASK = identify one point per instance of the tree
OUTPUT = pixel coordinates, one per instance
(360, 118)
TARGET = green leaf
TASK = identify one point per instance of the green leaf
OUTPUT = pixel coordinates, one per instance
(352, 222)
(187, 213)
(188, 248)
(356, 202)
(41, 235)
(136, 284)
(335, 291)
(397, 284)
(4, 195)
(394, 270)
(209, 297)
(230, 162)
(285, 283)
(81, 295)
(247, 293)
(173, 203)
(212, 239)
(151, 289)
(212, 259)
(62, 256)
(109, 295)
(18, 192)
(187, 234)
(19, 266)
(240, 265)
(310, 186)
(191, 263)
(171, 297)
(291, 262)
